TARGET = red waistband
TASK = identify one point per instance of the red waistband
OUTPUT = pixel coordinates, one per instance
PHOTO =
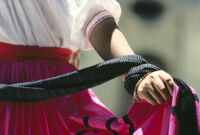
(21, 52)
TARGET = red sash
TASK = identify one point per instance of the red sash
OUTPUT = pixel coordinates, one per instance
(21, 52)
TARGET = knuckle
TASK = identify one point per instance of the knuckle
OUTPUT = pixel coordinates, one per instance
(139, 91)
(151, 76)
(162, 71)
(159, 72)
(167, 77)
(162, 89)
(145, 84)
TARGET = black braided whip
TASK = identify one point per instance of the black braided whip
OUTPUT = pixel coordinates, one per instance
(77, 81)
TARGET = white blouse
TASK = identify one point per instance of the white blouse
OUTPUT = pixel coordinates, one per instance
(53, 23)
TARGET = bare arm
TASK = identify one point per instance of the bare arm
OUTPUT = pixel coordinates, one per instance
(109, 42)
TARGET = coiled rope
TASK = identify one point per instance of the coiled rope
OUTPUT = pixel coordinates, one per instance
(70, 83)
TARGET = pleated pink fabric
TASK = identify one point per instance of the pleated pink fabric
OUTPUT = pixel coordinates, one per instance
(56, 116)
(78, 114)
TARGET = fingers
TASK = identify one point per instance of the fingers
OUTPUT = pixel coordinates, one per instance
(150, 94)
(168, 81)
(156, 87)
(160, 88)
(156, 95)
(149, 98)
(170, 87)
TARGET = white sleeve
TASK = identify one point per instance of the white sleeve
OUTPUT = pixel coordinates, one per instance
(92, 12)
(56, 23)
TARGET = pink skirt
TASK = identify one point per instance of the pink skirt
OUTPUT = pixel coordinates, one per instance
(78, 114)
(56, 116)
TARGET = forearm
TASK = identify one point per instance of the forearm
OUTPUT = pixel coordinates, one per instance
(109, 41)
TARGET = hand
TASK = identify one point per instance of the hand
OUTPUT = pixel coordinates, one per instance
(156, 87)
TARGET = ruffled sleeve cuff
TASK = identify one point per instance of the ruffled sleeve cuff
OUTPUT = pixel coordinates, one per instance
(95, 20)
(90, 14)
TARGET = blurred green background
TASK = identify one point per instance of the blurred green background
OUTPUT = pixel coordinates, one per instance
(166, 32)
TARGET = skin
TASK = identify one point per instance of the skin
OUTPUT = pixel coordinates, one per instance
(110, 43)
